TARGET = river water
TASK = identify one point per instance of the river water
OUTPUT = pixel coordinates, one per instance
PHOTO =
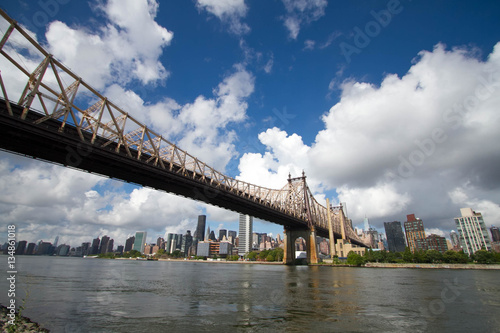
(98, 295)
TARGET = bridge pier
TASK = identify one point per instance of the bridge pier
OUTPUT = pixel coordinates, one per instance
(290, 236)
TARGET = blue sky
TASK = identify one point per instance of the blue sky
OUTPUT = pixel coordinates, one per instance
(361, 95)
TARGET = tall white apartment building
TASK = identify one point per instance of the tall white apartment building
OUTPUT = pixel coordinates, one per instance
(472, 231)
(245, 234)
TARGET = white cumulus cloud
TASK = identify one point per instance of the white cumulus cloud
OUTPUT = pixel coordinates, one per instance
(300, 12)
(126, 47)
(404, 145)
(230, 12)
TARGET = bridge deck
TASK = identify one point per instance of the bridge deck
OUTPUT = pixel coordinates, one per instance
(45, 141)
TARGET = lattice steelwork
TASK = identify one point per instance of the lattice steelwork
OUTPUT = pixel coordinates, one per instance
(60, 94)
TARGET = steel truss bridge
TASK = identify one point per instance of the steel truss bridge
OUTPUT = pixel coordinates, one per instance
(50, 113)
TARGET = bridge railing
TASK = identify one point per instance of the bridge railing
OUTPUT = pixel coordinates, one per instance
(83, 106)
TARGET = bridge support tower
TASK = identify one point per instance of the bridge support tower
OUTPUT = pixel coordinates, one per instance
(291, 236)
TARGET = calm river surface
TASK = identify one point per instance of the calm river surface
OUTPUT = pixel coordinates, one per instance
(96, 295)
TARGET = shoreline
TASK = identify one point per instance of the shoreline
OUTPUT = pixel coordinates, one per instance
(367, 265)
(228, 262)
(213, 261)
(21, 324)
(433, 266)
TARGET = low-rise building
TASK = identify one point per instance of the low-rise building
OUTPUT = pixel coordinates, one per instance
(343, 247)
(436, 242)
(210, 249)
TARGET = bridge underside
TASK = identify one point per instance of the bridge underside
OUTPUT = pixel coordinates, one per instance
(45, 141)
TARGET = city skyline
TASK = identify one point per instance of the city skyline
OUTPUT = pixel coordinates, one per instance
(402, 239)
(342, 93)
(472, 236)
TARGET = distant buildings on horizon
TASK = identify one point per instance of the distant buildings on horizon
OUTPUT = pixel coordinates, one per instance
(471, 235)
(245, 235)
(140, 241)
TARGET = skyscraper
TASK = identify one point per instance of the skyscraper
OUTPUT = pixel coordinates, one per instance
(245, 234)
(168, 243)
(30, 249)
(373, 237)
(43, 248)
(415, 233)
(207, 237)
(104, 244)
(366, 224)
(129, 243)
(231, 235)
(455, 240)
(140, 241)
(472, 231)
(222, 233)
(21, 247)
(199, 234)
(178, 243)
(173, 243)
(395, 237)
(160, 242)
(187, 241)
(86, 248)
(495, 234)
(212, 236)
(95, 245)
(110, 246)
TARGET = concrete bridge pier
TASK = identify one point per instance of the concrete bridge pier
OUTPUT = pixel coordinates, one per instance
(290, 236)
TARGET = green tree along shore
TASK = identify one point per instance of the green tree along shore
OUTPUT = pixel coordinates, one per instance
(419, 257)
(422, 257)
(130, 254)
(265, 255)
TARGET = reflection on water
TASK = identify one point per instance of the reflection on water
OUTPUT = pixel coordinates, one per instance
(82, 295)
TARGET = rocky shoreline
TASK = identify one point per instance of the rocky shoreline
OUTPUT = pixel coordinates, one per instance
(22, 324)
